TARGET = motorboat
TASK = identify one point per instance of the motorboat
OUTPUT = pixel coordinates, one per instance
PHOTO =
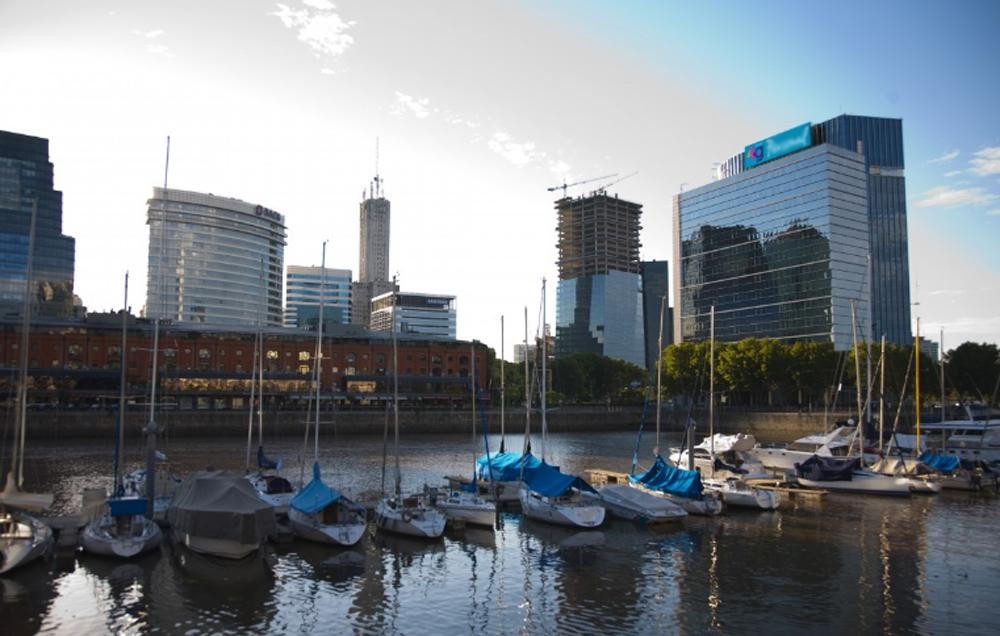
(739, 494)
(846, 475)
(836, 443)
(682, 487)
(122, 530)
(320, 513)
(637, 505)
(412, 516)
(733, 457)
(220, 515)
(970, 440)
(23, 538)
(468, 507)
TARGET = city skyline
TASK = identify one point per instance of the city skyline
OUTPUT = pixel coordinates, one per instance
(280, 103)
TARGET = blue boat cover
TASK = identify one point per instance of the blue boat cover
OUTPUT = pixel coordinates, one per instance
(505, 466)
(818, 468)
(265, 463)
(944, 463)
(670, 479)
(127, 506)
(546, 480)
(316, 495)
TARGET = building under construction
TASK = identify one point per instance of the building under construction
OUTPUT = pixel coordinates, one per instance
(599, 297)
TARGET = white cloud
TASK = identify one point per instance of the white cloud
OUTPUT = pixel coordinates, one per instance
(159, 49)
(518, 153)
(953, 173)
(320, 28)
(948, 156)
(327, 71)
(416, 106)
(986, 161)
(945, 197)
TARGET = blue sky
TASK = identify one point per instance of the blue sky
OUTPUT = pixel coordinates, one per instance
(480, 106)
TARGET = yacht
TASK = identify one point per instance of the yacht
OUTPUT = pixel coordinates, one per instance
(836, 443)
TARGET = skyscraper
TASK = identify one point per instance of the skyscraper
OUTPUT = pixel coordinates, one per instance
(214, 260)
(303, 289)
(655, 287)
(599, 295)
(410, 312)
(373, 266)
(26, 179)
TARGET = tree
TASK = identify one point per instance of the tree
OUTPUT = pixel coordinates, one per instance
(589, 377)
(973, 369)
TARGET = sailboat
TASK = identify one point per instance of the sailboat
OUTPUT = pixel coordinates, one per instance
(22, 537)
(464, 503)
(681, 487)
(122, 530)
(547, 494)
(271, 487)
(318, 512)
(412, 515)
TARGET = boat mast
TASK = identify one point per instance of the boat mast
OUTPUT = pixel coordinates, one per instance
(120, 439)
(17, 461)
(943, 403)
(319, 351)
(881, 397)
(395, 390)
(472, 383)
(659, 374)
(857, 381)
(260, 368)
(916, 379)
(151, 428)
(544, 382)
(503, 393)
(711, 387)
(527, 390)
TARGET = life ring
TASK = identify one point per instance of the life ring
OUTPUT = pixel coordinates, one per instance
(407, 516)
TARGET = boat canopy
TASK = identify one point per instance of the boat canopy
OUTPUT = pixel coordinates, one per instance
(219, 506)
(505, 466)
(818, 468)
(944, 463)
(546, 480)
(264, 463)
(670, 479)
(316, 495)
(725, 443)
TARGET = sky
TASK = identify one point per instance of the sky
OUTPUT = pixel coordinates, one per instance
(479, 108)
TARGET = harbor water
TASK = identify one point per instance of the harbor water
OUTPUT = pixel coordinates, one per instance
(843, 564)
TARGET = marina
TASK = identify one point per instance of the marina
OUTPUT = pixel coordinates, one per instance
(852, 563)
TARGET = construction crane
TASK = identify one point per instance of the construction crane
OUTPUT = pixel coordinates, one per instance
(602, 189)
(576, 183)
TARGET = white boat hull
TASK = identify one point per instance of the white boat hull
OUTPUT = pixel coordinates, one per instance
(102, 537)
(415, 521)
(780, 459)
(312, 528)
(865, 483)
(632, 504)
(741, 495)
(572, 511)
(468, 509)
(705, 507)
(22, 539)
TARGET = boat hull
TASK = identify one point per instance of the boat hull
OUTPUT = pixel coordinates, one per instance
(705, 507)
(579, 513)
(469, 510)
(22, 539)
(312, 528)
(636, 505)
(414, 521)
(743, 496)
(223, 548)
(101, 537)
(863, 484)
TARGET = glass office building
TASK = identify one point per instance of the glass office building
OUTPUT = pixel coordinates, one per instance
(410, 312)
(26, 180)
(602, 314)
(214, 260)
(655, 287)
(303, 288)
(780, 250)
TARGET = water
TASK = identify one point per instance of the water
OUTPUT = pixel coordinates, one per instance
(846, 564)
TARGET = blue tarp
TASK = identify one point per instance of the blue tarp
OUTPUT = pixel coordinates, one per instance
(546, 480)
(669, 479)
(264, 463)
(505, 466)
(944, 463)
(316, 495)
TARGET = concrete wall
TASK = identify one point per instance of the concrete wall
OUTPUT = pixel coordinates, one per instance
(766, 426)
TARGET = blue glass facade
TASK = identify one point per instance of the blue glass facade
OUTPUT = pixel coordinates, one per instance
(26, 177)
(602, 314)
(655, 286)
(303, 286)
(779, 250)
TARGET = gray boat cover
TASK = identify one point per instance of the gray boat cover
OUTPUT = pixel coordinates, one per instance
(216, 505)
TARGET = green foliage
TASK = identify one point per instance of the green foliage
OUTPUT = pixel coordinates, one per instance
(588, 377)
(972, 369)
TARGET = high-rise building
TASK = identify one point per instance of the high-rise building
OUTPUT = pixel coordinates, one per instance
(599, 295)
(425, 314)
(655, 288)
(26, 180)
(214, 260)
(304, 286)
(880, 142)
(373, 265)
(779, 249)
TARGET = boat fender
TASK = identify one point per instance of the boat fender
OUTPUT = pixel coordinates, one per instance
(407, 516)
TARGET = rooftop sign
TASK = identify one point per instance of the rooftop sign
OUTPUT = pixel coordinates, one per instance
(777, 145)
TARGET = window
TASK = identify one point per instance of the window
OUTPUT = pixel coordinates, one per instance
(75, 349)
(380, 358)
(303, 356)
(350, 358)
(304, 369)
(204, 354)
(272, 354)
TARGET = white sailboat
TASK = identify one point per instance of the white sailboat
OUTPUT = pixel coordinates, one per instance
(464, 503)
(412, 515)
(733, 457)
(22, 537)
(122, 530)
(547, 494)
(318, 512)
(632, 504)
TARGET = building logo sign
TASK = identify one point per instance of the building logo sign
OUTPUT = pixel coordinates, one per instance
(778, 145)
(268, 213)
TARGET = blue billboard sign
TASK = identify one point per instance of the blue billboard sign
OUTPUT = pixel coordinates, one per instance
(777, 145)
